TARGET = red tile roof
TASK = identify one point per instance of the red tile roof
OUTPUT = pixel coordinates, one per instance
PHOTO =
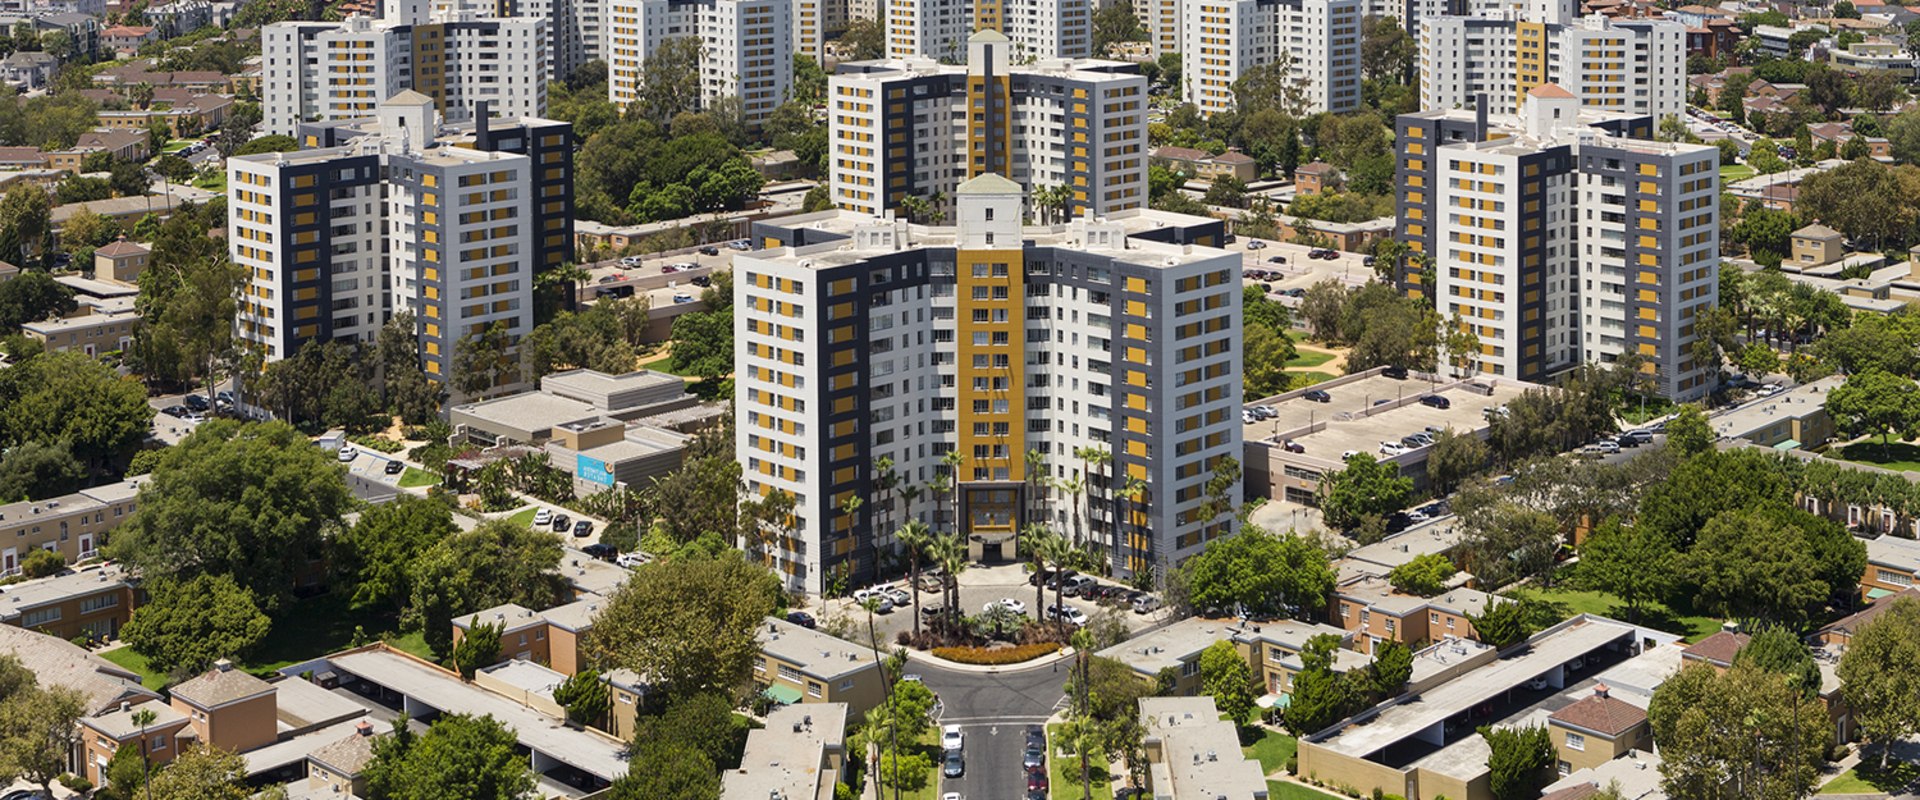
(1607, 716)
(1718, 648)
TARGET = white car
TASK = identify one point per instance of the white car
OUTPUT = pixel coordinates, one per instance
(346, 453)
(1601, 448)
(1392, 448)
(1007, 603)
(631, 560)
(951, 738)
(543, 518)
(878, 595)
(1068, 614)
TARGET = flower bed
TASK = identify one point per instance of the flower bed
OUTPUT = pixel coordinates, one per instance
(996, 655)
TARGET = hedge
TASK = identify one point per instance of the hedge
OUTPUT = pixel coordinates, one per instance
(996, 655)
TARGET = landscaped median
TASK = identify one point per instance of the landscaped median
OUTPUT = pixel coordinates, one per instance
(995, 656)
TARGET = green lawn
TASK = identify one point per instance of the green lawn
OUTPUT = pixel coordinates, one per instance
(1064, 773)
(1868, 779)
(1896, 455)
(177, 145)
(136, 663)
(1563, 603)
(1272, 751)
(213, 182)
(1737, 172)
(1301, 380)
(415, 643)
(930, 746)
(1281, 790)
(525, 517)
(415, 476)
(1309, 359)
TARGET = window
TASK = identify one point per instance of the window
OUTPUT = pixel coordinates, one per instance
(1895, 578)
(790, 674)
(1576, 741)
(815, 689)
(1189, 669)
(159, 743)
(33, 619)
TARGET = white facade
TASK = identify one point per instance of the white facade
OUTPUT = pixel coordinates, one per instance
(1104, 159)
(1223, 39)
(1039, 29)
(747, 48)
(1633, 66)
(317, 71)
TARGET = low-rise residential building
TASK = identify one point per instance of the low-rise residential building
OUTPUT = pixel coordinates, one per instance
(1193, 754)
(74, 525)
(340, 768)
(86, 331)
(27, 71)
(127, 38)
(1373, 612)
(1892, 563)
(228, 708)
(91, 602)
(1204, 165)
(1817, 245)
(1316, 177)
(1840, 133)
(105, 688)
(160, 738)
(1878, 54)
(121, 261)
(1837, 635)
(1596, 729)
(1717, 650)
(1169, 656)
(1791, 420)
(587, 423)
(803, 665)
(184, 116)
(799, 755)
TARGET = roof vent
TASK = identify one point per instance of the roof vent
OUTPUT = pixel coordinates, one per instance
(223, 665)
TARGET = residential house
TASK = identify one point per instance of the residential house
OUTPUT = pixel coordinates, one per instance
(1315, 178)
(1837, 635)
(339, 769)
(91, 602)
(74, 525)
(800, 755)
(1193, 754)
(121, 261)
(1839, 133)
(1596, 729)
(1791, 420)
(228, 708)
(160, 738)
(1205, 166)
(803, 665)
(27, 71)
(1817, 245)
(1892, 563)
(1716, 650)
(127, 39)
(1373, 611)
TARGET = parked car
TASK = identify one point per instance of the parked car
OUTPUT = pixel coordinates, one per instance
(1537, 683)
(1602, 448)
(1007, 603)
(899, 596)
(632, 560)
(1638, 437)
(1436, 401)
(346, 453)
(196, 402)
(602, 551)
(227, 396)
(1276, 259)
(543, 518)
(1067, 614)
(955, 766)
(176, 411)
(1292, 446)
(1392, 448)
(1145, 604)
(934, 581)
(801, 618)
(1255, 244)
(952, 739)
(1396, 373)
(394, 467)
(738, 244)
(561, 523)
(1036, 780)
(623, 290)
(1318, 396)
(709, 250)
(1073, 586)
(582, 529)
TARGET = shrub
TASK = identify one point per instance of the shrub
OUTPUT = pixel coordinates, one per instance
(996, 655)
(1293, 765)
(379, 443)
(76, 783)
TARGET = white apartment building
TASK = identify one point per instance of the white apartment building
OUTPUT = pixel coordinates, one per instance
(1636, 66)
(1162, 20)
(575, 24)
(319, 71)
(746, 48)
(1561, 237)
(1037, 29)
(399, 213)
(875, 339)
(901, 128)
(1224, 39)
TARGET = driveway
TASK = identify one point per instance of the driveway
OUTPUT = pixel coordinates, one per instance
(979, 585)
(994, 710)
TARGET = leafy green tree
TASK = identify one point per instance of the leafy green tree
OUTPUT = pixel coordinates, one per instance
(1225, 677)
(584, 697)
(1863, 199)
(459, 756)
(376, 555)
(1519, 762)
(687, 623)
(42, 563)
(66, 397)
(1689, 432)
(1426, 575)
(125, 774)
(1264, 355)
(704, 722)
(33, 296)
(25, 219)
(1260, 572)
(1504, 623)
(1113, 24)
(703, 344)
(189, 623)
(35, 470)
(1776, 756)
(246, 500)
(1366, 488)
(201, 772)
(1632, 562)
(496, 563)
(38, 733)
(864, 40)
(670, 79)
(481, 360)
(1320, 697)
(1454, 457)
(268, 144)
(1877, 403)
(1772, 563)
(1392, 667)
(668, 768)
(480, 647)
(1386, 49)
(1779, 651)
(1880, 676)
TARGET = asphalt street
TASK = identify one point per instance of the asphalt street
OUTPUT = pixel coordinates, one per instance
(994, 711)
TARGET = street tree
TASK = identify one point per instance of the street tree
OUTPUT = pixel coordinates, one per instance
(188, 623)
(251, 501)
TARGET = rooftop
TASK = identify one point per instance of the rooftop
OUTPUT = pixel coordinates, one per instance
(869, 237)
(1893, 551)
(1638, 775)
(1719, 648)
(80, 323)
(1200, 754)
(784, 758)
(1436, 536)
(58, 662)
(585, 751)
(349, 754)
(528, 677)
(1356, 419)
(25, 595)
(1601, 714)
(221, 685)
(1795, 403)
(813, 652)
(1432, 707)
(120, 723)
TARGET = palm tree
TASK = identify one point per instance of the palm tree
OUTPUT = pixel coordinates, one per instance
(1103, 458)
(1072, 486)
(939, 487)
(1057, 552)
(914, 536)
(851, 508)
(950, 552)
(570, 277)
(1036, 477)
(1033, 536)
(1130, 495)
(885, 479)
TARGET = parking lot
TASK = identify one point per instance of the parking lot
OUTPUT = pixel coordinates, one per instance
(1360, 415)
(1298, 271)
(979, 586)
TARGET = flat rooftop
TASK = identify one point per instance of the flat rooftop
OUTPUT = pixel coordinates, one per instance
(1434, 536)
(813, 652)
(1352, 422)
(584, 751)
(1200, 753)
(1435, 706)
(529, 411)
(97, 287)
(295, 750)
(79, 323)
(1893, 551)
(783, 759)
(1788, 405)
(60, 588)
(535, 680)
(1073, 235)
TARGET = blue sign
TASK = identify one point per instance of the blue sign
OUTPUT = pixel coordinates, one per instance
(593, 470)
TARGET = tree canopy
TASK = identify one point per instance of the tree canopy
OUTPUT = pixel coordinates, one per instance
(689, 623)
(497, 563)
(1260, 572)
(189, 623)
(459, 756)
(1777, 755)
